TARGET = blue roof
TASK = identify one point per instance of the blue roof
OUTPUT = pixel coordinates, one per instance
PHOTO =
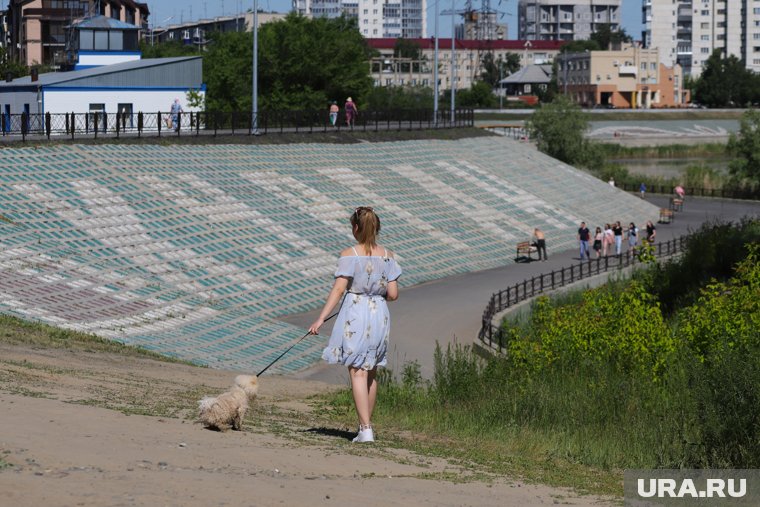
(103, 22)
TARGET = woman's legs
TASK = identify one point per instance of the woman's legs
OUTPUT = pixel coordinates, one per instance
(364, 389)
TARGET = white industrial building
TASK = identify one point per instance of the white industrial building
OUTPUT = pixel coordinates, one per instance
(109, 77)
(140, 85)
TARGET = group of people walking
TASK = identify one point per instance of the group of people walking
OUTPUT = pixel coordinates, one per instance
(350, 109)
(609, 241)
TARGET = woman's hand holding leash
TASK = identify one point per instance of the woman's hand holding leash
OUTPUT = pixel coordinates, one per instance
(314, 328)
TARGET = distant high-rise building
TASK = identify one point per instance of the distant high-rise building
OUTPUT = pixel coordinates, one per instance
(687, 32)
(565, 19)
(375, 18)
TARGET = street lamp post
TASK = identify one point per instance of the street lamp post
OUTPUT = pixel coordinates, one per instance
(255, 30)
(501, 85)
(453, 62)
(435, 68)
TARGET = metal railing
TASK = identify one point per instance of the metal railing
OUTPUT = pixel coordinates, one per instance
(729, 193)
(161, 123)
(491, 335)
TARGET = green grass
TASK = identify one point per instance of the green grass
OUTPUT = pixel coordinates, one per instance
(707, 150)
(15, 331)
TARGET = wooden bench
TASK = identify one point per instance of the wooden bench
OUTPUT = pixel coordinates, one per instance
(676, 204)
(525, 251)
(666, 215)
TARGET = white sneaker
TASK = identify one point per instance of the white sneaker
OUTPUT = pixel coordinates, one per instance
(364, 435)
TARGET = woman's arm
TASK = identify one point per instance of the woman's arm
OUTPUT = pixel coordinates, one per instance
(338, 288)
(392, 291)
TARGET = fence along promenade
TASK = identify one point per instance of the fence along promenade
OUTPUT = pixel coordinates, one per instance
(491, 336)
(156, 124)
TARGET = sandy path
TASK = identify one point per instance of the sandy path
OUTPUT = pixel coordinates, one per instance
(70, 454)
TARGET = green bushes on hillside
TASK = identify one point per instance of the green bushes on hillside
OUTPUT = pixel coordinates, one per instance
(607, 379)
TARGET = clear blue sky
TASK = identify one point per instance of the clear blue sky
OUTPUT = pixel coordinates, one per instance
(189, 10)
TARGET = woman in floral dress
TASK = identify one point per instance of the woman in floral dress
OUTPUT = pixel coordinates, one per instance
(368, 274)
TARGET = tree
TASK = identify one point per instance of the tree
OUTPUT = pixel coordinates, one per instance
(579, 46)
(725, 82)
(552, 89)
(499, 68)
(406, 48)
(400, 97)
(8, 66)
(604, 36)
(480, 94)
(166, 49)
(303, 64)
(558, 128)
(745, 148)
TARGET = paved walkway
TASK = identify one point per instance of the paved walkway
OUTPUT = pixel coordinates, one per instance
(449, 310)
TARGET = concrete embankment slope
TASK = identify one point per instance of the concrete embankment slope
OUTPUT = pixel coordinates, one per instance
(195, 251)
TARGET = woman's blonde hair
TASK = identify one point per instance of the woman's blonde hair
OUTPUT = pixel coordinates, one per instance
(366, 226)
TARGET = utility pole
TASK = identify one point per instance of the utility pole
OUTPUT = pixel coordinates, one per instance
(501, 86)
(453, 62)
(435, 67)
(255, 119)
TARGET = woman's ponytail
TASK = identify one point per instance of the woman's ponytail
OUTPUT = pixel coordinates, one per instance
(366, 226)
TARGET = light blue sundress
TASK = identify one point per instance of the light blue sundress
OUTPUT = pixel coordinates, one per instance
(362, 328)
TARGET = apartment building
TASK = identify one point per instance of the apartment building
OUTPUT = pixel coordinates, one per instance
(38, 27)
(688, 31)
(196, 32)
(387, 70)
(565, 19)
(375, 18)
(632, 77)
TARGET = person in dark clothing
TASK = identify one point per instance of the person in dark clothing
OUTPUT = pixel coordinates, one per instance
(540, 242)
(617, 230)
(651, 231)
(583, 237)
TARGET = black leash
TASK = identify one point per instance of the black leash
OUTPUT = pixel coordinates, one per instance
(301, 339)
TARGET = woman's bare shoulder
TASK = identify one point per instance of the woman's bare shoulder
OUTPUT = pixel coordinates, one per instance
(348, 252)
(388, 250)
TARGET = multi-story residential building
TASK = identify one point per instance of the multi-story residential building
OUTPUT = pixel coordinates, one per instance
(688, 31)
(387, 70)
(196, 32)
(38, 27)
(632, 77)
(375, 18)
(565, 19)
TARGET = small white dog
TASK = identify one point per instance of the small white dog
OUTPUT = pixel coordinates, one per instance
(228, 409)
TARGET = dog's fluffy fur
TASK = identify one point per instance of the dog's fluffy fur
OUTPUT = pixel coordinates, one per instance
(228, 409)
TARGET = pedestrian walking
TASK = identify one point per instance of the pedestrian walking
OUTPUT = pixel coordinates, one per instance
(642, 189)
(598, 238)
(617, 230)
(176, 109)
(351, 112)
(651, 232)
(608, 240)
(583, 238)
(366, 276)
(633, 237)
(334, 110)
